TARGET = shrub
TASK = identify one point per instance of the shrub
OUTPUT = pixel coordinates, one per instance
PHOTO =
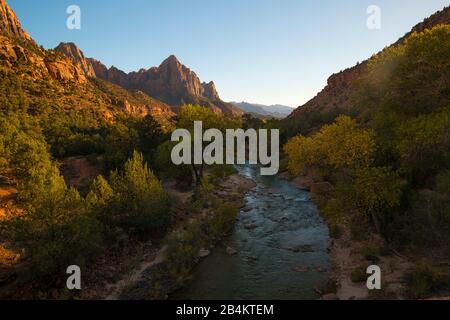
(370, 253)
(165, 167)
(202, 196)
(120, 144)
(222, 221)
(56, 231)
(100, 200)
(424, 279)
(182, 251)
(335, 231)
(359, 274)
(140, 202)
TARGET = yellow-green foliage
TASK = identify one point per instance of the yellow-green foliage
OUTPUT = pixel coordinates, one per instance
(339, 145)
(412, 78)
(182, 251)
(375, 189)
(210, 119)
(388, 163)
(222, 221)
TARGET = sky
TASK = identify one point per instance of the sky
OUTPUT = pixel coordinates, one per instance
(260, 51)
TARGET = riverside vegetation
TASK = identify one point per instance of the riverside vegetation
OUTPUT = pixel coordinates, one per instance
(381, 152)
(388, 157)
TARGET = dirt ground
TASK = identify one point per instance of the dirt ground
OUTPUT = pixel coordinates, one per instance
(78, 172)
(135, 267)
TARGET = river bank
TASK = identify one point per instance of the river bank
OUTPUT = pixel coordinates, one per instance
(277, 250)
(350, 257)
(137, 272)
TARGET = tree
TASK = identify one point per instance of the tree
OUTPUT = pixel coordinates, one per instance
(165, 167)
(210, 120)
(141, 203)
(120, 144)
(53, 225)
(339, 145)
(100, 199)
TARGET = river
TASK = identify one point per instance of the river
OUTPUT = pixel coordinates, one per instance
(281, 243)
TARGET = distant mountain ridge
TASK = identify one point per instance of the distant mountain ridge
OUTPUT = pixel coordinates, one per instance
(275, 111)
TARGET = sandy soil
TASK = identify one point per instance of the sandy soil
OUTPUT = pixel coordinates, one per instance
(346, 257)
(79, 171)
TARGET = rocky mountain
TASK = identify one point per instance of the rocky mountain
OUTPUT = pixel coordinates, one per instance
(9, 23)
(336, 97)
(40, 64)
(77, 57)
(210, 91)
(63, 77)
(171, 82)
(272, 111)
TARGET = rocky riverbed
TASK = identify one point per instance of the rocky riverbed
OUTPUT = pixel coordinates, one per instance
(278, 249)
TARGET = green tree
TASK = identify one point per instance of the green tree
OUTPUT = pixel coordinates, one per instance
(120, 144)
(141, 203)
(210, 120)
(100, 199)
(53, 226)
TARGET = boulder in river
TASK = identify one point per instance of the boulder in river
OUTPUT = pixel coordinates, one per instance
(203, 253)
(251, 226)
(303, 182)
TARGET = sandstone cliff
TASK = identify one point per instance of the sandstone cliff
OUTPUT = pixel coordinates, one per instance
(77, 57)
(171, 82)
(9, 24)
(67, 76)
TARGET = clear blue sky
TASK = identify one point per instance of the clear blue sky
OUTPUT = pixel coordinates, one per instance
(264, 51)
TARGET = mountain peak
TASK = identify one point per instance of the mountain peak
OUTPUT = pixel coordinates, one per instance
(171, 60)
(71, 50)
(171, 82)
(9, 23)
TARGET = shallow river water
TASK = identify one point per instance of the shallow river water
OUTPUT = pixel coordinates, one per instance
(281, 244)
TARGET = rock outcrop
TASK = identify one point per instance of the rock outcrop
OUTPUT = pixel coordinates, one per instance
(77, 57)
(64, 70)
(171, 82)
(37, 62)
(210, 91)
(65, 65)
(9, 23)
(33, 60)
